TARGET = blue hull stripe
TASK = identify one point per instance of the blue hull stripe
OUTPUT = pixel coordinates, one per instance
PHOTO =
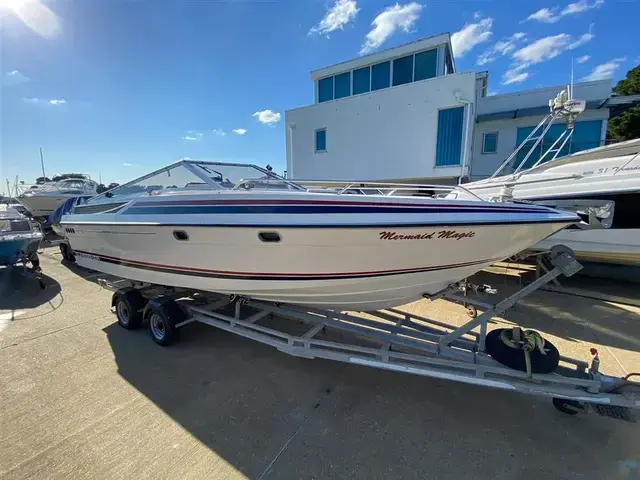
(308, 209)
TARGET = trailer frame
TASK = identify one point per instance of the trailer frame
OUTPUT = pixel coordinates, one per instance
(389, 339)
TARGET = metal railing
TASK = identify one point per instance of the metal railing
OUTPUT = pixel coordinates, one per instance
(356, 187)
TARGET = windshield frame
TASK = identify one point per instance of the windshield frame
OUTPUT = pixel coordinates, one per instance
(196, 167)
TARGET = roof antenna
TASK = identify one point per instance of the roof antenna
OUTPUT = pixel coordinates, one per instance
(571, 88)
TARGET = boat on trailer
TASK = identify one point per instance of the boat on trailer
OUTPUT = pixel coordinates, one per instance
(510, 359)
(242, 230)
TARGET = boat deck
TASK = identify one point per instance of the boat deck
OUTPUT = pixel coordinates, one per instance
(84, 398)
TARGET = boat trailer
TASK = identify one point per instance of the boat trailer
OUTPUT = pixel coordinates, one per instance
(508, 359)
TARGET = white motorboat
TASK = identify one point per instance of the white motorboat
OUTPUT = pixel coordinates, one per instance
(199, 225)
(602, 184)
(46, 198)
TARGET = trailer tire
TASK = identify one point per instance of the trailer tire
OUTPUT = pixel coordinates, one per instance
(67, 252)
(514, 358)
(128, 304)
(163, 314)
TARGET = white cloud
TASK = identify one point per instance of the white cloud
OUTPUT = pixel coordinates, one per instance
(581, 6)
(470, 35)
(502, 47)
(127, 164)
(605, 70)
(219, 132)
(239, 131)
(34, 100)
(267, 117)
(587, 37)
(540, 51)
(193, 136)
(342, 12)
(551, 15)
(545, 15)
(392, 18)
(584, 58)
(14, 78)
(514, 75)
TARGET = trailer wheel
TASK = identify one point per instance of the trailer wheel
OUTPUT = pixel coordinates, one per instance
(67, 253)
(163, 314)
(128, 304)
(570, 407)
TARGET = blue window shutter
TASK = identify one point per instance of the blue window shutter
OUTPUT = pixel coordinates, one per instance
(449, 141)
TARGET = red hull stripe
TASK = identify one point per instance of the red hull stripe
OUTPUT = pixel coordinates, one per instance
(191, 270)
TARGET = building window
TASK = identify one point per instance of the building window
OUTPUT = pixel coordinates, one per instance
(448, 62)
(361, 80)
(343, 85)
(325, 89)
(321, 140)
(426, 65)
(490, 142)
(449, 140)
(585, 135)
(403, 70)
(380, 74)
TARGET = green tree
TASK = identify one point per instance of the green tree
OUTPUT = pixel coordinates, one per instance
(626, 126)
(631, 84)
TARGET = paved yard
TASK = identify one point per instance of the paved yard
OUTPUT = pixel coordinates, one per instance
(81, 397)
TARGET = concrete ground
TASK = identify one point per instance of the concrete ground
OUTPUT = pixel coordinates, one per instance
(80, 397)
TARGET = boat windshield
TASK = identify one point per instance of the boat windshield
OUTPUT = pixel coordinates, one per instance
(247, 176)
(190, 176)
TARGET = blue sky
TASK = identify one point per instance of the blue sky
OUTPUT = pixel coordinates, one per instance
(119, 87)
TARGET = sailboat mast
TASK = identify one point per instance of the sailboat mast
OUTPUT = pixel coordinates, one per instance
(42, 162)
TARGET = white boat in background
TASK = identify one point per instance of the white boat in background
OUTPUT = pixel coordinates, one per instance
(601, 184)
(216, 227)
(44, 199)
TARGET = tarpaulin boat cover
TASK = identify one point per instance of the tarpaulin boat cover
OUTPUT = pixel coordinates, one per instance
(65, 208)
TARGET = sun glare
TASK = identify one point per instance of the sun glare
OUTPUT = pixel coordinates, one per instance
(34, 15)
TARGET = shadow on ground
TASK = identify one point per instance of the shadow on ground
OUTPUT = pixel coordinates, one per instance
(19, 291)
(571, 317)
(271, 415)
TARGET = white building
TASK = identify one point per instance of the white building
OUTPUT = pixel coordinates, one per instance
(405, 114)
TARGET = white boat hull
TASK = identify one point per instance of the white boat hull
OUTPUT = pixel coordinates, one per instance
(586, 175)
(340, 268)
(619, 246)
(41, 206)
